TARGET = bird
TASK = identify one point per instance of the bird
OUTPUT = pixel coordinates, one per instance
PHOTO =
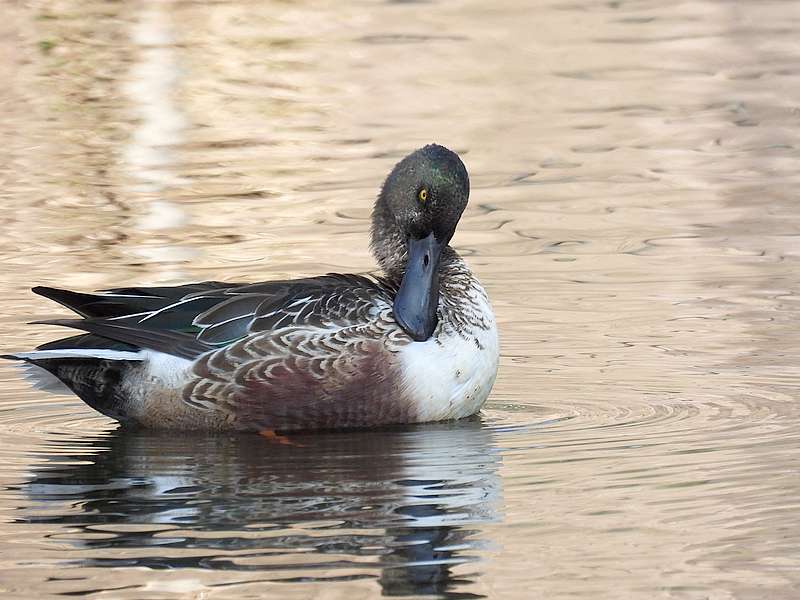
(417, 343)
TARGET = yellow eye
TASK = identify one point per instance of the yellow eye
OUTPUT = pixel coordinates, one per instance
(423, 195)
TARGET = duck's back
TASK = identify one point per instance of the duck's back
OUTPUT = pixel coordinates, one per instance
(298, 354)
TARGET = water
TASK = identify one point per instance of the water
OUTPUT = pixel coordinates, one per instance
(633, 217)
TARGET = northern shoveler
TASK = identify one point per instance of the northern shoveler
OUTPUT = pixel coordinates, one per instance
(416, 344)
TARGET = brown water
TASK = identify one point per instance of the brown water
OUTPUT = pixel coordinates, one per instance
(633, 216)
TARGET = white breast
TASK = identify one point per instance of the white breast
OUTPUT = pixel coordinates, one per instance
(450, 376)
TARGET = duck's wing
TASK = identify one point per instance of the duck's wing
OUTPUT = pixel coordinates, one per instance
(188, 321)
(317, 356)
(328, 302)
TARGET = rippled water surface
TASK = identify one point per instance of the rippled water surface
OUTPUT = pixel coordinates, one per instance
(633, 216)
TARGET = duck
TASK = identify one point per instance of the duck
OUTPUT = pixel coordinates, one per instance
(417, 343)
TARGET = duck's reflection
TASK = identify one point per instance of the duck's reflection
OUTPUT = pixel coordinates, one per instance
(399, 506)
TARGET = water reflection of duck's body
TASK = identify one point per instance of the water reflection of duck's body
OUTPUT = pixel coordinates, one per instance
(398, 506)
(336, 351)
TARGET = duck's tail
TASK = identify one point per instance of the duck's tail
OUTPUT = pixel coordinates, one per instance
(95, 375)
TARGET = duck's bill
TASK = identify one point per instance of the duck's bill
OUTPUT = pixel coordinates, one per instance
(418, 298)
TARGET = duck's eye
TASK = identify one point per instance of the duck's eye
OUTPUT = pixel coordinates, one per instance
(423, 195)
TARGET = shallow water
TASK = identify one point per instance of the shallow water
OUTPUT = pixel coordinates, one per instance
(633, 217)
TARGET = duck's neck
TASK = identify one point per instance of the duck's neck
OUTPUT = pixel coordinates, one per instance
(390, 248)
(388, 243)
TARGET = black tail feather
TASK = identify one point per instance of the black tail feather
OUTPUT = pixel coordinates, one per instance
(96, 381)
(175, 343)
(87, 341)
(100, 305)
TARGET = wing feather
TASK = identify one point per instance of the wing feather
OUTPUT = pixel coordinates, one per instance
(190, 320)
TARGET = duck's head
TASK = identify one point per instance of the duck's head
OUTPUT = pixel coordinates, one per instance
(414, 218)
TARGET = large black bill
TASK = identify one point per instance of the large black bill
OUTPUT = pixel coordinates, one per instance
(418, 297)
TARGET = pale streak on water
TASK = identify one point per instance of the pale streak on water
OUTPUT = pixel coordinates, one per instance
(633, 217)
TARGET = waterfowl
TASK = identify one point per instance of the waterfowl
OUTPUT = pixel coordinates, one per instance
(418, 343)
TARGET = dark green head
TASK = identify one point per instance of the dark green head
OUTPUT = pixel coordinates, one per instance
(414, 218)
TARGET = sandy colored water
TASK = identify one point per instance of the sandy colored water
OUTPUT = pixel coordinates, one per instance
(633, 217)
